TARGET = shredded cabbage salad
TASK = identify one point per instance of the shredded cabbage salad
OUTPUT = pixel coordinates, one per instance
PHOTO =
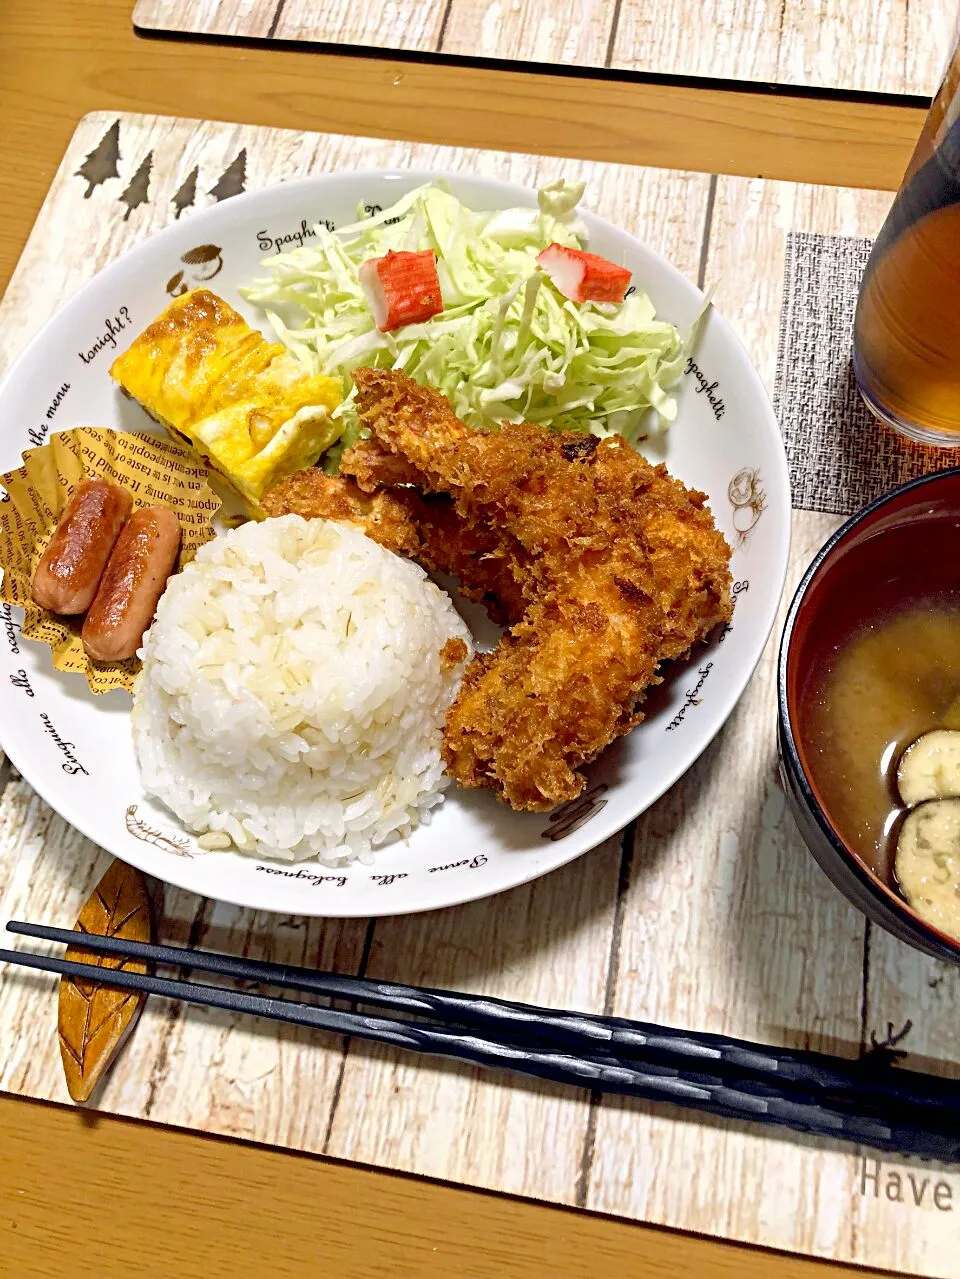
(507, 347)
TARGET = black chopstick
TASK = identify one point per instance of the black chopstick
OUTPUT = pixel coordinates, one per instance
(862, 1084)
(743, 1101)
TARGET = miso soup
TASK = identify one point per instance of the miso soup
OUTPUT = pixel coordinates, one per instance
(885, 668)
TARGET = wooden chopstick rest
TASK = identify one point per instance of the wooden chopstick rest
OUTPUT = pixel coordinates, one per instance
(93, 1020)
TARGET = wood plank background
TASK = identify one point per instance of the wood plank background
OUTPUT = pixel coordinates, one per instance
(888, 46)
(709, 913)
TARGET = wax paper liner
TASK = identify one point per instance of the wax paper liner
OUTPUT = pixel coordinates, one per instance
(154, 471)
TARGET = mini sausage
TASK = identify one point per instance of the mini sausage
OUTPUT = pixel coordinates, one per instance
(71, 567)
(139, 567)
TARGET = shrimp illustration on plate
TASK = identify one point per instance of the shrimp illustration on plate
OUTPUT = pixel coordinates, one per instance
(748, 501)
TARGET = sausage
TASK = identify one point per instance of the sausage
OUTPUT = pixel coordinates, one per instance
(71, 567)
(136, 576)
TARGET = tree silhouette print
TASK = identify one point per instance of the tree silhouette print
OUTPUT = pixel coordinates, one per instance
(138, 187)
(233, 179)
(101, 163)
(187, 193)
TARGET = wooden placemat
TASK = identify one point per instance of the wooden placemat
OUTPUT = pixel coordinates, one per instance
(886, 46)
(708, 913)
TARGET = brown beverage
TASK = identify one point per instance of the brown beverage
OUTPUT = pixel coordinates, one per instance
(907, 332)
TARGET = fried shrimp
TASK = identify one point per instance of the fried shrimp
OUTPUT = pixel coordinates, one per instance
(621, 567)
(314, 495)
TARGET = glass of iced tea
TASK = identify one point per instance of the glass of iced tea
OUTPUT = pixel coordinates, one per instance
(906, 347)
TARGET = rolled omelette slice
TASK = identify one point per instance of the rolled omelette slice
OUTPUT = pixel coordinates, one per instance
(243, 403)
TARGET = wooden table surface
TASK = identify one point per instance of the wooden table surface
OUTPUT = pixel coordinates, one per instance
(892, 46)
(84, 1194)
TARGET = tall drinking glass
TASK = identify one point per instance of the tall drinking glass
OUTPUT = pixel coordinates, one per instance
(906, 345)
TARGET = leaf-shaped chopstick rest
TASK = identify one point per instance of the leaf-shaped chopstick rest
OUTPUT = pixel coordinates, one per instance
(93, 1021)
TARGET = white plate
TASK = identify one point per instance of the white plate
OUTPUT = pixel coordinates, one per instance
(75, 749)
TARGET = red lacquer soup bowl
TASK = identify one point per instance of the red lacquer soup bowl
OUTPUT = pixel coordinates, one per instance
(910, 537)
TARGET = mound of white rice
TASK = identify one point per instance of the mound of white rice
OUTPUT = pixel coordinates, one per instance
(292, 694)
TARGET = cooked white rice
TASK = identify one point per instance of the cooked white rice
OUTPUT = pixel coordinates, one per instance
(292, 695)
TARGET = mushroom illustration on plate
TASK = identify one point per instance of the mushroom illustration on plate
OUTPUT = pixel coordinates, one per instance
(199, 265)
(748, 501)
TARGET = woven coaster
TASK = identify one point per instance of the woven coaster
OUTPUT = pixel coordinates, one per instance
(840, 457)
